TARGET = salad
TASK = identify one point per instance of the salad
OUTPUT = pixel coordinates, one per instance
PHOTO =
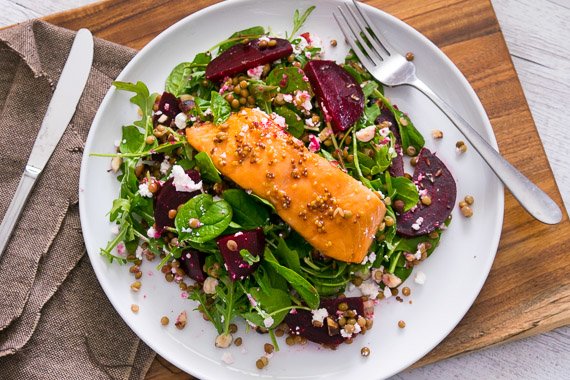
(269, 184)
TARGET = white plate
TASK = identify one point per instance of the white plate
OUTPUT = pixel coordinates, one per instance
(455, 273)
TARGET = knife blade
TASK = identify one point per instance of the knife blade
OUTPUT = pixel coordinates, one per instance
(58, 115)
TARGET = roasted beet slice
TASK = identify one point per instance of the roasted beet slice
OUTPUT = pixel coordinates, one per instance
(167, 106)
(338, 93)
(242, 57)
(169, 199)
(387, 116)
(396, 168)
(231, 245)
(301, 321)
(192, 263)
(433, 179)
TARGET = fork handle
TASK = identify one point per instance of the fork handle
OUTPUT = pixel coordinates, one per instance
(533, 199)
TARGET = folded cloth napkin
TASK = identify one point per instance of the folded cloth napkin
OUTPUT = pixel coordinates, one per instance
(55, 320)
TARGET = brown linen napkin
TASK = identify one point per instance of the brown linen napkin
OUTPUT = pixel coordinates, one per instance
(55, 321)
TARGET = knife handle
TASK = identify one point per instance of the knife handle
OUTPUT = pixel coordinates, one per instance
(16, 206)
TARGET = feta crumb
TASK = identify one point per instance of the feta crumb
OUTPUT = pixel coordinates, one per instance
(384, 131)
(139, 252)
(420, 278)
(303, 100)
(152, 233)
(227, 358)
(387, 292)
(319, 315)
(255, 72)
(121, 249)
(288, 98)
(180, 120)
(183, 182)
(268, 322)
(144, 191)
(366, 134)
(115, 229)
(279, 120)
(314, 144)
(165, 165)
(162, 118)
(344, 334)
(369, 288)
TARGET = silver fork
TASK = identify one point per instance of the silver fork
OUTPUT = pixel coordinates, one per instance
(393, 69)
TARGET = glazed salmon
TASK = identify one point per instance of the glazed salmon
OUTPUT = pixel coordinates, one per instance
(334, 212)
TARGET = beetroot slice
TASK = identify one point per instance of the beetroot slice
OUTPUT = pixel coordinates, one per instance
(253, 241)
(396, 168)
(242, 57)
(387, 116)
(301, 322)
(168, 106)
(338, 93)
(192, 263)
(433, 179)
(169, 199)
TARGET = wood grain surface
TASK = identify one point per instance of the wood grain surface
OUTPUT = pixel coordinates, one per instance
(528, 290)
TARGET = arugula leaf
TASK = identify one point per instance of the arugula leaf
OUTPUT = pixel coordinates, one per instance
(142, 97)
(369, 88)
(214, 217)
(406, 191)
(299, 19)
(248, 257)
(237, 37)
(207, 169)
(302, 286)
(221, 109)
(246, 209)
(295, 124)
(288, 79)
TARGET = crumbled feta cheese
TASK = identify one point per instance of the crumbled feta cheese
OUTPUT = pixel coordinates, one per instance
(420, 278)
(387, 292)
(384, 131)
(319, 315)
(144, 191)
(115, 229)
(255, 72)
(344, 334)
(303, 100)
(391, 280)
(152, 233)
(366, 134)
(369, 288)
(357, 328)
(183, 182)
(300, 46)
(139, 252)
(165, 165)
(227, 358)
(314, 143)
(288, 98)
(162, 118)
(268, 322)
(121, 249)
(279, 120)
(180, 120)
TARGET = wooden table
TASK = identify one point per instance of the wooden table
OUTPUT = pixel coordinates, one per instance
(537, 48)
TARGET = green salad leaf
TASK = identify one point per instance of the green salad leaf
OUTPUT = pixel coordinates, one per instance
(406, 191)
(220, 107)
(288, 79)
(299, 19)
(247, 210)
(207, 169)
(295, 124)
(237, 37)
(214, 218)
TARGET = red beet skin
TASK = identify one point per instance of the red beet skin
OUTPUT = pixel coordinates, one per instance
(192, 262)
(168, 106)
(301, 322)
(169, 199)
(434, 179)
(242, 57)
(396, 168)
(339, 95)
(253, 241)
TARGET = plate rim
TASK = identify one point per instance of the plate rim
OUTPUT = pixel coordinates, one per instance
(474, 101)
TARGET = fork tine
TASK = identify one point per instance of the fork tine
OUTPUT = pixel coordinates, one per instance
(377, 35)
(347, 35)
(376, 45)
(363, 46)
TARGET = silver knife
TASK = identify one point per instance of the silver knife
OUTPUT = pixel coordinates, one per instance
(58, 115)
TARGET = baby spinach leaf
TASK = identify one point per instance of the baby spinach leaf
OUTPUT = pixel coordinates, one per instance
(176, 81)
(287, 256)
(302, 286)
(288, 79)
(269, 300)
(214, 218)
(221, 109)
(409, 134)
(406, 191)
(207, 169)
(253, 32)
(132, 140)
(246, 209)
(295, 124)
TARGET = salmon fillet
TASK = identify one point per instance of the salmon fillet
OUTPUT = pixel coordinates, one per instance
(334, 212)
